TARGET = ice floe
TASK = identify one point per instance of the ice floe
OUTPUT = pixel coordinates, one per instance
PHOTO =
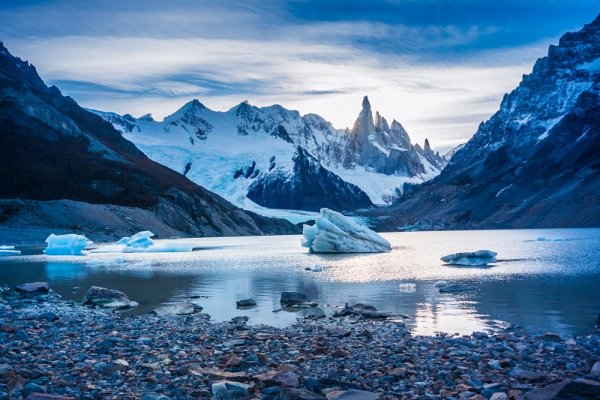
(9, 251)
(142, 242)
(69, 244)
(476, 258)
(335, 233)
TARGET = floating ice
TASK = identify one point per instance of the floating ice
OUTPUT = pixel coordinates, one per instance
(408, 287)
(545, 239)
(70, 244)
(477, 258)
(314, 268)
(440, 284)
(335, 233)
(167, 246)
(9, 251)
(142, 242)
(105, 262)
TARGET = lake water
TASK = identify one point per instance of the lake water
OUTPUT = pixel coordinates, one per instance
(540, 285)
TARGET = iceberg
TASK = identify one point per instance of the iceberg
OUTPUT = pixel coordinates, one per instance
(70, 244)
(477, 258)
(9, 251)
(142, 242)
(335, 233)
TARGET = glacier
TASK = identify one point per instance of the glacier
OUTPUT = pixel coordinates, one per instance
(336, 233)
(69, 244)
(476, 258)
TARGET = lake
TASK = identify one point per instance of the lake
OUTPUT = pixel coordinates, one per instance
(551, 285)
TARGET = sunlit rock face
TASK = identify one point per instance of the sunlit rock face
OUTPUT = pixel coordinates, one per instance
(335, 233)
(534, 163)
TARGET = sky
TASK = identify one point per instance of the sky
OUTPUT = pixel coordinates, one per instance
(439, 67)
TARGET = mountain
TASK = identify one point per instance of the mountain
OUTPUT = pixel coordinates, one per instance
(54, 150)
(270, 158)
(534, 163)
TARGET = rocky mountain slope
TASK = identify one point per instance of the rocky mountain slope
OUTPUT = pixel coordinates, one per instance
(273, 158)
(534, 163)
(53, 149)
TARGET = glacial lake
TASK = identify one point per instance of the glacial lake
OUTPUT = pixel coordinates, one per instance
(551, 285)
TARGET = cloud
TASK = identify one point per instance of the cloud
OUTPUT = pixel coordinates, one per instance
(439, 79)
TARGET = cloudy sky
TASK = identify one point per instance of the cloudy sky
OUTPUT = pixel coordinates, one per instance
(440, 67)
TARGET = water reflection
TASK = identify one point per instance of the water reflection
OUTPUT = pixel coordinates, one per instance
(539, 285)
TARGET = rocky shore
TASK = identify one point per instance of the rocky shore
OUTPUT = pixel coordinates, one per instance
(56, 349)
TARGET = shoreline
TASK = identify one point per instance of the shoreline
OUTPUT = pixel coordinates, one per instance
(67, 349)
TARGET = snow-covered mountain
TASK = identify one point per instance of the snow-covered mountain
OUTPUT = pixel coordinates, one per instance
(269, 158)
(535, 161)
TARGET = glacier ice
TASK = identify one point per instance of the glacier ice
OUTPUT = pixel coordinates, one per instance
(9, 251)
(335, 233)
(142, 242)
(477, 258)
(167, 246)
(139, 240)
(69, 244)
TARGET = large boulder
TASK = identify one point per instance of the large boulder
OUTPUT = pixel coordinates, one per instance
(33, 288)
(292, 298)
(476, 258)
(567, 389)
(335, 233)
(103, 297)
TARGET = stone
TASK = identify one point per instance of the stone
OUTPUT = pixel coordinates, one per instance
(550, 337)
(499, 396)
(313, 313)
(595, 369)
(246, 303)
(352, 394)
(181, 308)
(103, 297)
(30, 388)
(567, 389)
(287, 393)
(46, 396)
(33, 288)
(226, 390)
(525, 375)
(279, 378)
(293, 298)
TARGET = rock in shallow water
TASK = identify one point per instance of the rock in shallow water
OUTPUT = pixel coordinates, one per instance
(335, 233)
(103, 297)
(477, 258)
(246, 303)
(182, 308)
(33, 288)
(292, 298)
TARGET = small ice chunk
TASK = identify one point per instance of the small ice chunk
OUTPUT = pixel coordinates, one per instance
(477, 258)
(545, 239)
(9, 251)
(166, 246)
(140, 240)
(314, 268)
(408, 287)
(335, 233)
(440, 284)
(70, 244)
(105, 262)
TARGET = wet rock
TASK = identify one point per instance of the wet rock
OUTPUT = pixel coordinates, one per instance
(230, 390)
(292, 298)
(596, 369)
(287, 393)
(181, 308)
(567, 389)
(352, 394)
(30, 388)
(246, 303)
(313, 313)
(525, 375)
(99, 296)
(360, 310)
(33, 288)
(279, 378)
(550, 337)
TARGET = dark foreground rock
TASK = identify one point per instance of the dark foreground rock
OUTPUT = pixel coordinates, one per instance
(110, 298)
(93, 353)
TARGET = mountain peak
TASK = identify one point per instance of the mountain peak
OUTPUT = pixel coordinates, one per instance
(365, 104)
(193, 104)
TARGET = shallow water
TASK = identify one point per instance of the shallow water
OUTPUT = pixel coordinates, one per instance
(540, 285)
